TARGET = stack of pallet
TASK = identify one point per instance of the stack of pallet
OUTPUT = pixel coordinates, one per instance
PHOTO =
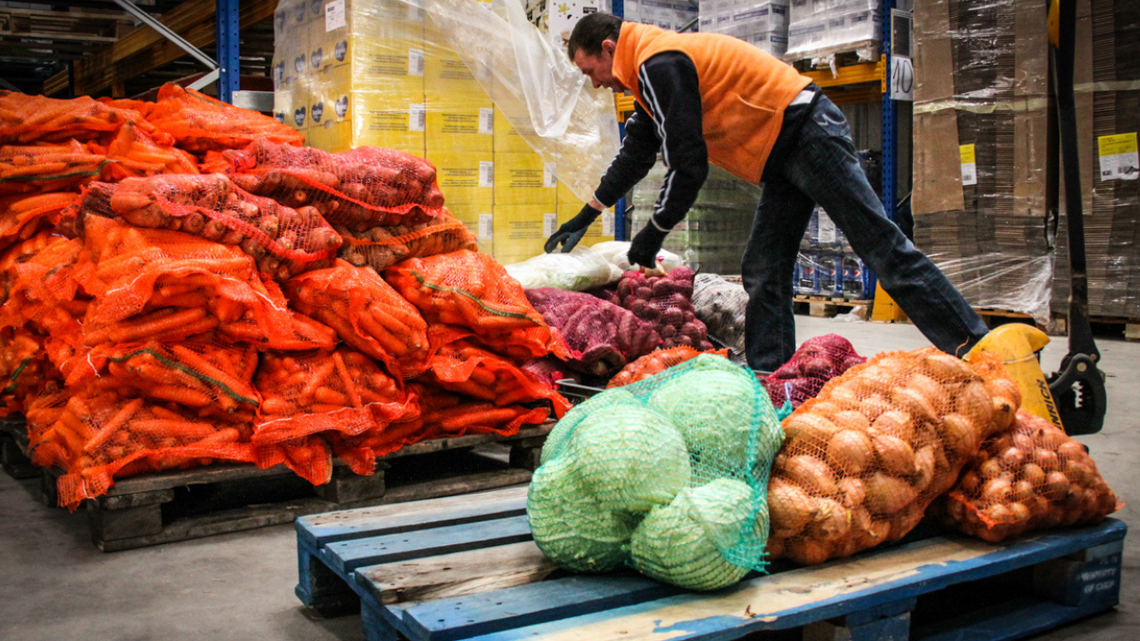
(1107, 85)
(980, 129)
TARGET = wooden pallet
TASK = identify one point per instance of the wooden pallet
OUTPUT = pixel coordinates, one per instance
(1059, 325)
(827, 307)
(178, 505)
(467, 568)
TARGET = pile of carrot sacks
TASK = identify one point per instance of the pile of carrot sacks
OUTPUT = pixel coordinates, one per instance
(183, 283)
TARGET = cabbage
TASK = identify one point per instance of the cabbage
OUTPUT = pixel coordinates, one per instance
(629, 457)
(723, 508)
(559, 438)
(715, 407)
(670, 546)
(570, 527)
(579, 270)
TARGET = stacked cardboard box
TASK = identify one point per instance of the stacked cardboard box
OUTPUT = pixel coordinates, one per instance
(1107, 85)
(820, 29)
(763, 23)
(378, 73)
(980, 149)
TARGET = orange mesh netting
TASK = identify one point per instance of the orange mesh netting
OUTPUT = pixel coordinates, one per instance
(1030, 478)
(357, 189)
(165, 286)
(366, 312)
(200, 123)
(602, 336)
(101, 435)
(22, 216)
(310, 457)
(471, 290)
(21, 368)
(817, 361)
(442, 414)
(310, 392)
(25, 119)
(382, 247)
(284, 241)
(666, 302)
(463, 367)
(206, 377)
(863, 460)
(45, 167)
(40, 280)
(134, 154)
(656, 362)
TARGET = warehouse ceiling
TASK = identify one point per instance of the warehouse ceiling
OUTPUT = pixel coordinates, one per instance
(96, 48)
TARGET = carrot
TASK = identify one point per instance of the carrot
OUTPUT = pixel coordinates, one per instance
(349, 384)
(486, 417)
(391, 343)
(226, 383)
(116, 422)
(155, 323)
(318, 378)
(330, 397)
(171, 428)
(180, 395)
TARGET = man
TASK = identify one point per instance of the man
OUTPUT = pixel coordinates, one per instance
(704, 98)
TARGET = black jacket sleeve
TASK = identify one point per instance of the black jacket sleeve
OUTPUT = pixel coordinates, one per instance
(671, 91)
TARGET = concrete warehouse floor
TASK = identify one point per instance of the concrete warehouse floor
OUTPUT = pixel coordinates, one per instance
(55, 585)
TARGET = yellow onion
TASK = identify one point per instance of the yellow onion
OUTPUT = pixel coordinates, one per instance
(948, 368)
(895, 423)
(850, 452)
(976, 403)
(887, 494)
(960, 435)
(852, 420)
(895, 455)
(916, 405)
(789, 507)
(903, 522)
(1072, 451)
(807, 551)
(930, 389)
(924, 462)
(1004, 410)
(809, 428)
(775, 548)
(1034, 474)
(832, 521)
(1006, 388)
(873, 406)
(853, 491)
(811, 474)
(1056, 488)
(995, 490)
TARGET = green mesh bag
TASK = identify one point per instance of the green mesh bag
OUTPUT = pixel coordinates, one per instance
(668, 475)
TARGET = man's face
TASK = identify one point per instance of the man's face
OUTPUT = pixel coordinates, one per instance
(600, 68)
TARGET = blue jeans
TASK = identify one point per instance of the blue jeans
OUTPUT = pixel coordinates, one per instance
(821, 167)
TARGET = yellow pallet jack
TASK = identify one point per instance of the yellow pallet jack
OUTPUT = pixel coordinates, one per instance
(1073, 398)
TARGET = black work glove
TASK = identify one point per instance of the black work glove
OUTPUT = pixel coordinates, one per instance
(572, 230)
(643, 250)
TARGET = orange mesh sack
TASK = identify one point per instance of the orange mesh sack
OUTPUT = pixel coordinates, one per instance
(133, 153)
(602, 335)
(101, 435)
(471, 290)
(204, 376)
(366, 312)
(442, 414)
(25, 119)
(48, 167)
(165, 286)
(357, 189)
(656, 362)
(283, 241)
(40, 279)
(23, 215)
(21, 368)
(200, 123)
(310, 392)
(863, 460)
(463, 367)
(310, 457)
(1030, 478)
(382, 247)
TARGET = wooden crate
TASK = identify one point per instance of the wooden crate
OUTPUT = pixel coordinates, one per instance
(178, 505)
(467, 568)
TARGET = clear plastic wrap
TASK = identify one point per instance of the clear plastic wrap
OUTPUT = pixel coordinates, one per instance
(820, 29)
(760, 22)
(577, 271)
(980, 141)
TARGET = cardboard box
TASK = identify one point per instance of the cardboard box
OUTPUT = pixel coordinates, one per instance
(521, 231)
(524, 180)
(451, 128)
(388, 119)
(467, 181)
(506, 137)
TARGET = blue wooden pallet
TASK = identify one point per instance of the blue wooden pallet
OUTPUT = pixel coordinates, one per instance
(466, 568)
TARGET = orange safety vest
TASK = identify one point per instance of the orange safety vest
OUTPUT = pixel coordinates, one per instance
(743, 90)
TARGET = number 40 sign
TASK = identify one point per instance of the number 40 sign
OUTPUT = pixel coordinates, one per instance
(902, 79)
